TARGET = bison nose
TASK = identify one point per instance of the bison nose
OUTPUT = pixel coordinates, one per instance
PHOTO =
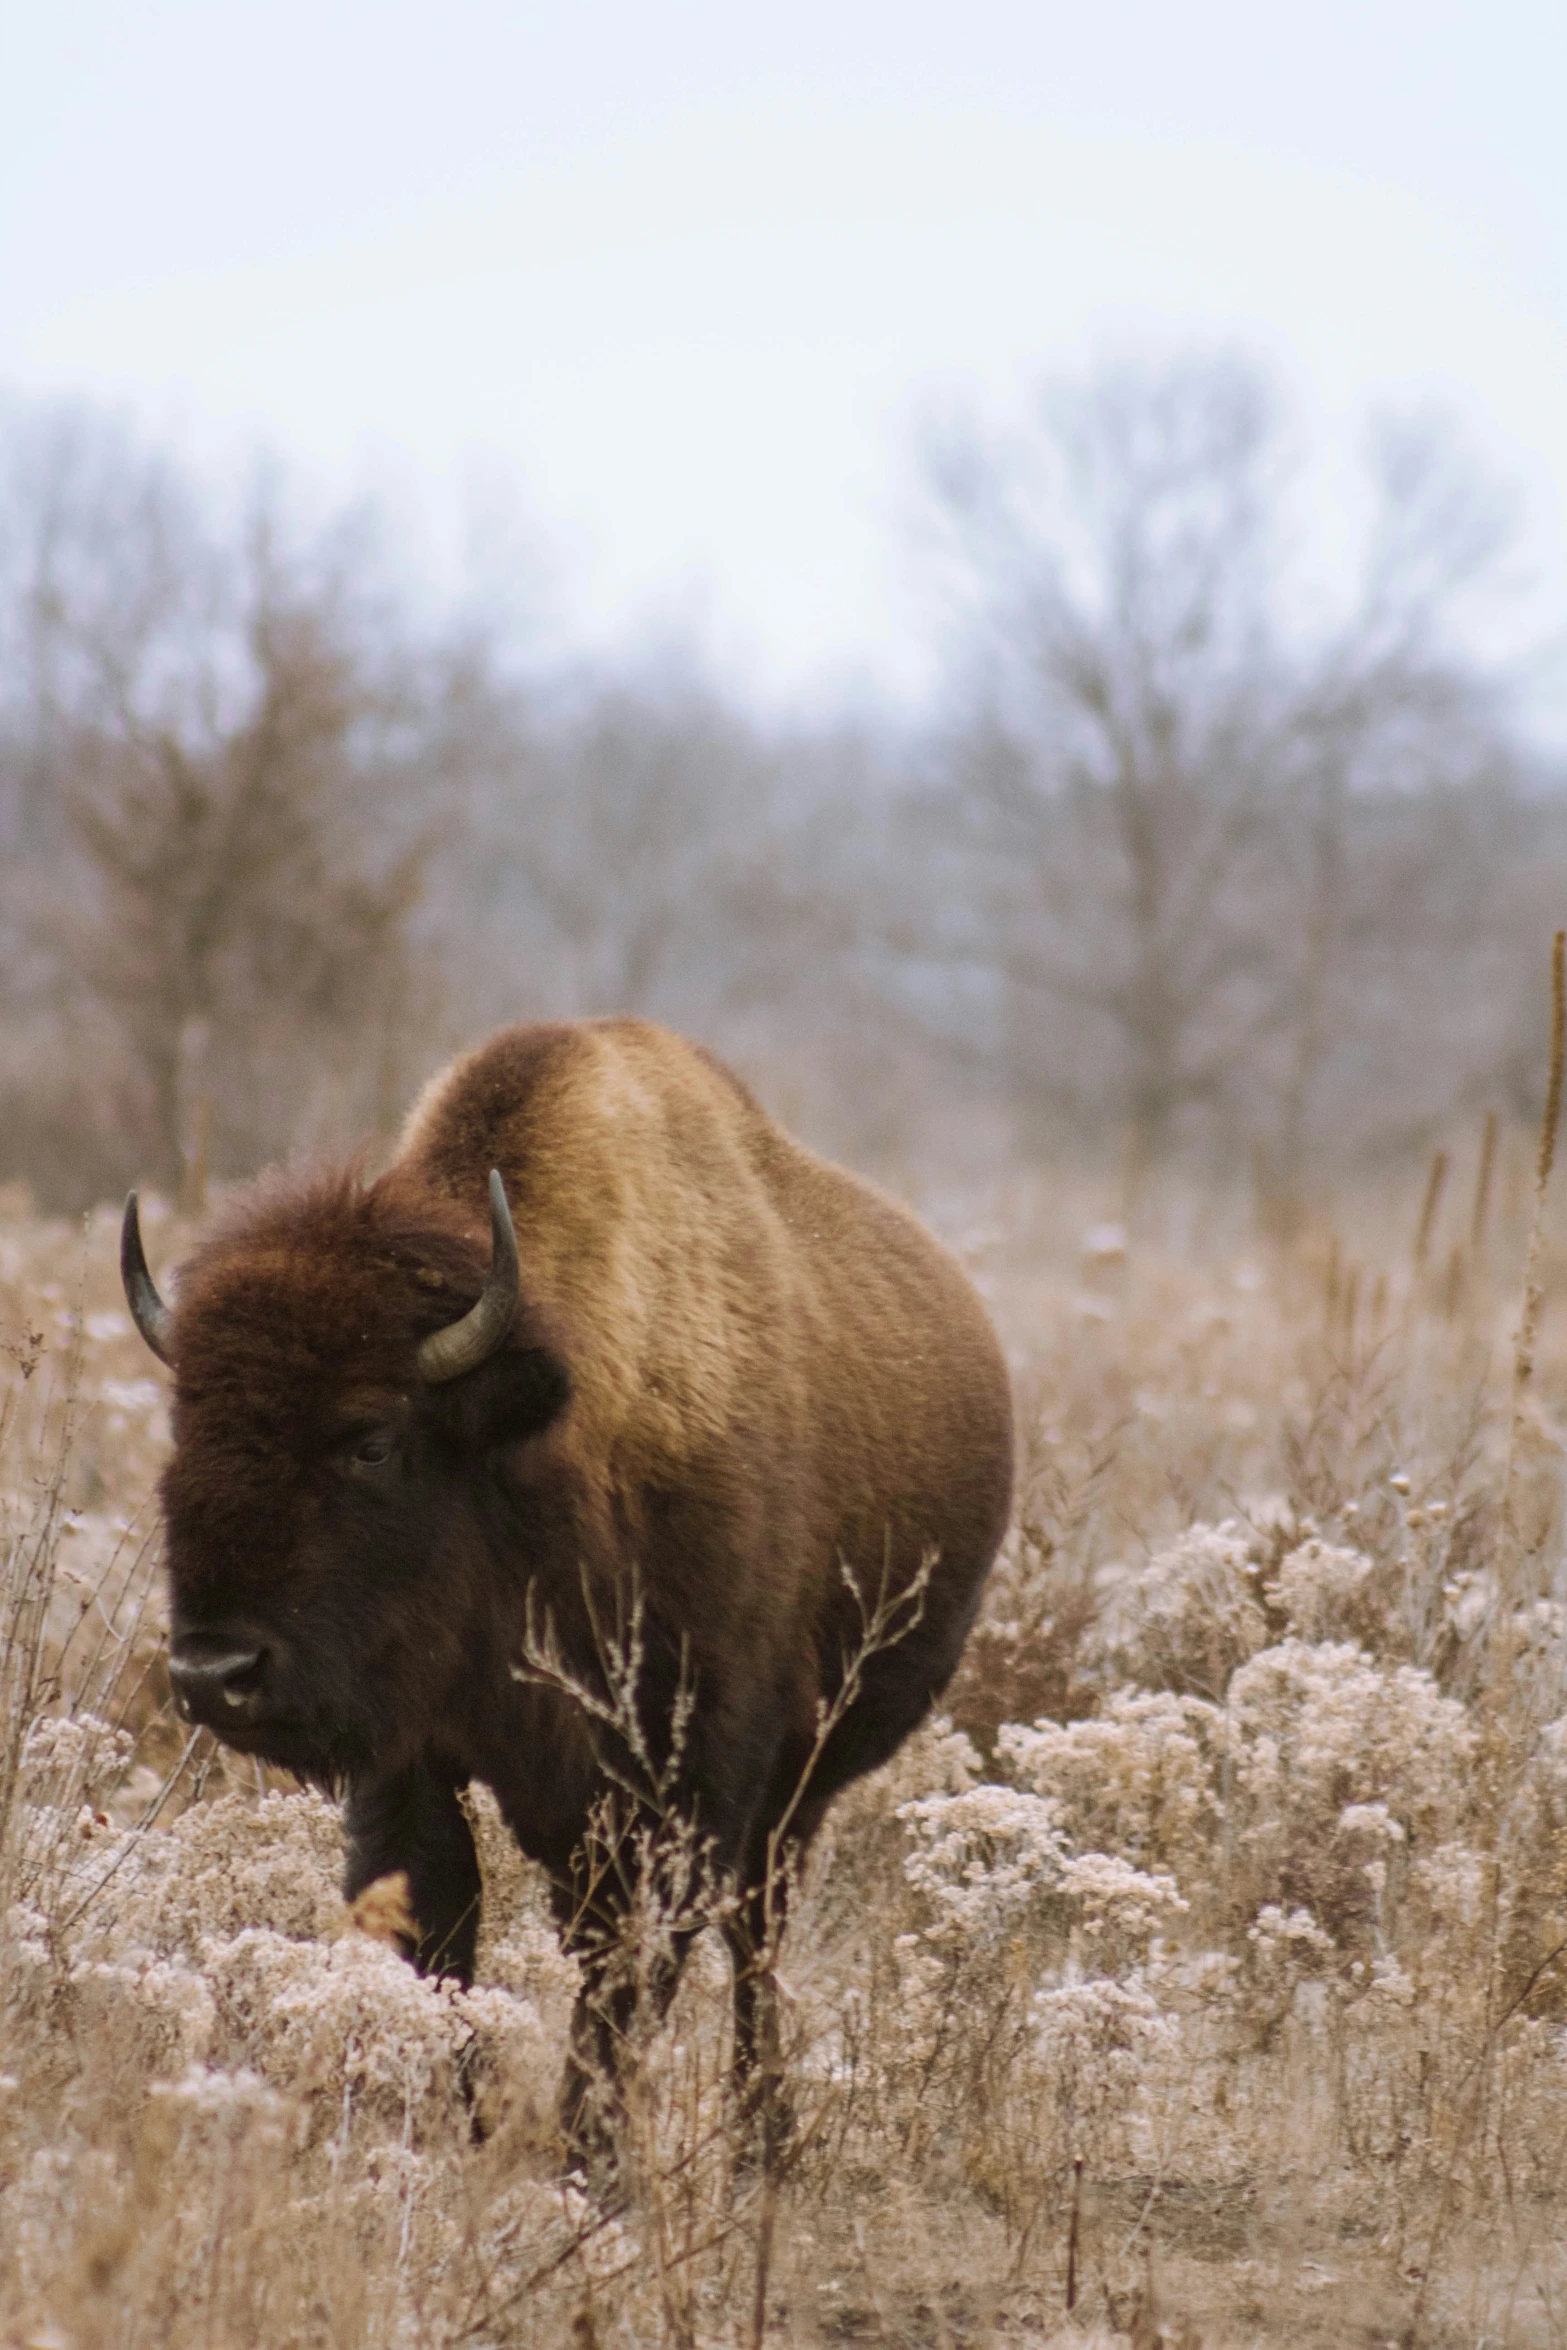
(216, 1679)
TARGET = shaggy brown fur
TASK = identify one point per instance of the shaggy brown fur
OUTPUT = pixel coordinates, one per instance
(738, 1372)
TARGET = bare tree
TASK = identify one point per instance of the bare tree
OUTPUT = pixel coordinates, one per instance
(229, 900)
(1387, 710)
(1153, 781)
(650, 811)
(1119, 784)
(209, 744)
(615, 824)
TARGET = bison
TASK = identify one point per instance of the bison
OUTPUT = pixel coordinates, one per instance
(697, 1401)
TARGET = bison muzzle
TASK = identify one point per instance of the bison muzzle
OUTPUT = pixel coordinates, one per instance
(688, 1409)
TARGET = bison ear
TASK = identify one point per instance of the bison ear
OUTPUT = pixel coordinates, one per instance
(518, 1392)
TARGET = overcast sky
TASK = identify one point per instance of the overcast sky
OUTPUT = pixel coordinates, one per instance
(688, 272)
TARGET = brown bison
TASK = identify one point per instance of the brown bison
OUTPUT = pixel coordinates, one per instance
(696, 1392)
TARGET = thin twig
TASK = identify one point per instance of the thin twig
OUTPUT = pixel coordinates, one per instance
(1071, 2234)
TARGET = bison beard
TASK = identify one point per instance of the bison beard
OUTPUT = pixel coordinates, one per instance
(694, 1380)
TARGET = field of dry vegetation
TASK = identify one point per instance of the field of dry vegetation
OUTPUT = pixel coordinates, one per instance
(1201, 1978)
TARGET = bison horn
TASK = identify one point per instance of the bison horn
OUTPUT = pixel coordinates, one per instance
(148, 1311)
(463, 1346)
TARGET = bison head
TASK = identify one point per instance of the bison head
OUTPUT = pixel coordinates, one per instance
(346, 1450)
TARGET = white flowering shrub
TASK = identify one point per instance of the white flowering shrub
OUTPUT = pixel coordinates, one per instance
(1283, 1949)
(1097, 2041)
(159, 2013)
(208, 2099)
(1017, 1987)
(1141, 1779)
(1338, 1767)
(352, 2019)
(1306, 1792)
(865, 1837)
(1324, 1591)
(1116, 1911)
(981, 1863)
(223, 1866)
(1189, 1617)
(72, 1759)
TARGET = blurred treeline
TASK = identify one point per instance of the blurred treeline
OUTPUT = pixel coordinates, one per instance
(1227, 844)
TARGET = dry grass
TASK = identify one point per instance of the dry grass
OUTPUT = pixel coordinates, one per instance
(1238, 1878)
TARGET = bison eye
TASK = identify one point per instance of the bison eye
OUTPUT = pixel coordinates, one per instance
(374, 1449)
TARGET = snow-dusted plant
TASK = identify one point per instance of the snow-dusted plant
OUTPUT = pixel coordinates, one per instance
(981, 1863)
(1323, 1590)
(351, 2018)
(221, 1867)
(1095, 2042)
(1339, 1766)
(1140, 1779)
(71, 1759)
(1116, 1910)
(1322, 1727)
(159, 2010)
(1187, 1618)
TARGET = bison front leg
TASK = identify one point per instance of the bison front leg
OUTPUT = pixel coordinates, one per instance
(592, 2101)
(415, 1822)
(625, 1994)
(752, 1933)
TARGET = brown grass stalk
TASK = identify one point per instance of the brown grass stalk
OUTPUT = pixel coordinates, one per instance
(1528, 1333)
(1429, 1206)
(1483, 1174)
